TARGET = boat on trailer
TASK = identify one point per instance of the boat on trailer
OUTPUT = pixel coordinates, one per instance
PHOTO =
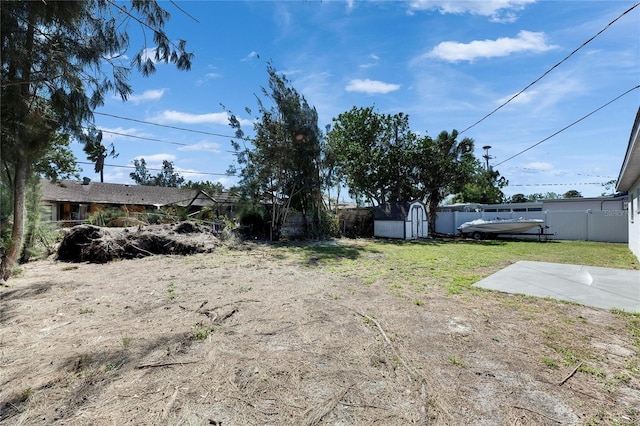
(480, 228)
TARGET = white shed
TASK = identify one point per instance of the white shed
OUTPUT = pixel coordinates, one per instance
(404, 220)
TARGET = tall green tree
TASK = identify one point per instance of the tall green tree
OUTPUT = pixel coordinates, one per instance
(373, 154)
(485, 187)
(572, 193)
(518, 198)
(167, 176)
(443, 167)
(96, 151)
(210, 188)
(59, 61)
(282, 165)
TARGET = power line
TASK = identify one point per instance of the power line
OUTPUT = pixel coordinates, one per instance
(165, 125)
(570, 125)
(555, 184)
(567, 173)
(152, 139)
(552, 68)
(156, 169)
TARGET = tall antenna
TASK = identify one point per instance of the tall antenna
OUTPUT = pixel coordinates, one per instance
(486, 155)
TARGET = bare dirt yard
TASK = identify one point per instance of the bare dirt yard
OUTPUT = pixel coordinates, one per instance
(257, 335)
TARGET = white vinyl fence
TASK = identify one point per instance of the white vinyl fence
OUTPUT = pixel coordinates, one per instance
(590, 225)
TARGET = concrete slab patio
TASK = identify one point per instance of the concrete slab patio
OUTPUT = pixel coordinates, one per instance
(604, 288)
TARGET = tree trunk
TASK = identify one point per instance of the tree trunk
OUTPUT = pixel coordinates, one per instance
(434, 200)
(17, 231)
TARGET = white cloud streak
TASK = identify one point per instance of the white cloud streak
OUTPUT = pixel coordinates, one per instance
(148, 95)
(371, 86)
(500, 11)
(171, 116)
(526, 41)
(202, 146)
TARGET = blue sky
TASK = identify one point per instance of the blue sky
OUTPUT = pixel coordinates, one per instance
(446, 64)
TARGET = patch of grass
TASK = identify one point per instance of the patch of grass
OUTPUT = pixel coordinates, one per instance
(26, 394)
(632, 364)
(86, 310)
(201, 331)
(171, 289)
(454, 360)
(633, 323)
(551, 363)
(126, 342)
(596, 372)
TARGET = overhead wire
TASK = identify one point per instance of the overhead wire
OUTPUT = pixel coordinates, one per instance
(152, 139)
(552, 68)
(570, 125)
(159, 169)
(165, 125)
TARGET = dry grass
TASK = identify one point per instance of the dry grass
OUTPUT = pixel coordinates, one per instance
(314, 334)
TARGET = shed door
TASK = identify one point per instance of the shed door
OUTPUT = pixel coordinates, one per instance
(417, 222)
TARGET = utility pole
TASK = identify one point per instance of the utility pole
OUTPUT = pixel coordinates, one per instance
(486, 155)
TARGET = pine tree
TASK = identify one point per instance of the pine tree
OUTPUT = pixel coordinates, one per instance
(59, 61)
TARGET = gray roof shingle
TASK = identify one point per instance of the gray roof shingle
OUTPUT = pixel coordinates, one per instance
(121, 194)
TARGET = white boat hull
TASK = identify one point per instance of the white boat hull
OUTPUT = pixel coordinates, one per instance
(500, 226)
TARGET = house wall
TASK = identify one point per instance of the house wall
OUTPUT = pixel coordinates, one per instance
(633, 218)
(389, 228)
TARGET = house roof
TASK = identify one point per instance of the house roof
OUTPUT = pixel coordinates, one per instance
(630, 170)
(121, 194)
(393, 211)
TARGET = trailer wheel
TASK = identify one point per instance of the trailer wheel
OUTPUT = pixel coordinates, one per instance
(477, 235)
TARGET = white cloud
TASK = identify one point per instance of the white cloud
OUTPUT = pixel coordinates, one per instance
(538, 166)
(503, 11)
(374, 61)
(527, 41)
(149, 53)
(154, 161)
(207, 77)
(524, 98)
(202, 146)
(250, 56)
(171, 116)
(112, 134)
(371, 86)
(147, 95)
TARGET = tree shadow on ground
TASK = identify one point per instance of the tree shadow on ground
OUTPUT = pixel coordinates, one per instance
(317, 252)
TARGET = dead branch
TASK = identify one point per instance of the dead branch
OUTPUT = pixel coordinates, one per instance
(570, 374)
(166, 364)
(537, 413)
(314, 415)
(415, 375)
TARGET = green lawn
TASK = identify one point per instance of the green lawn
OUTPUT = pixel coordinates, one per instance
(453, 264)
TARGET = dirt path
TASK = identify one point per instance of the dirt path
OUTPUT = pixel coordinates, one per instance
(244, 337)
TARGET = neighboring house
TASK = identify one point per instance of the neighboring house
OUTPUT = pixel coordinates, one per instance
(405, 220)
(629, 182)
(75, 201)
(612, 202)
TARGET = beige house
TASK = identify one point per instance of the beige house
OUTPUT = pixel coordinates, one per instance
(629, 182)
(72, 201)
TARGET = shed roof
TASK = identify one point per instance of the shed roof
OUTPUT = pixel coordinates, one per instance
(398, 210)
(630, 170)
(113, 193)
